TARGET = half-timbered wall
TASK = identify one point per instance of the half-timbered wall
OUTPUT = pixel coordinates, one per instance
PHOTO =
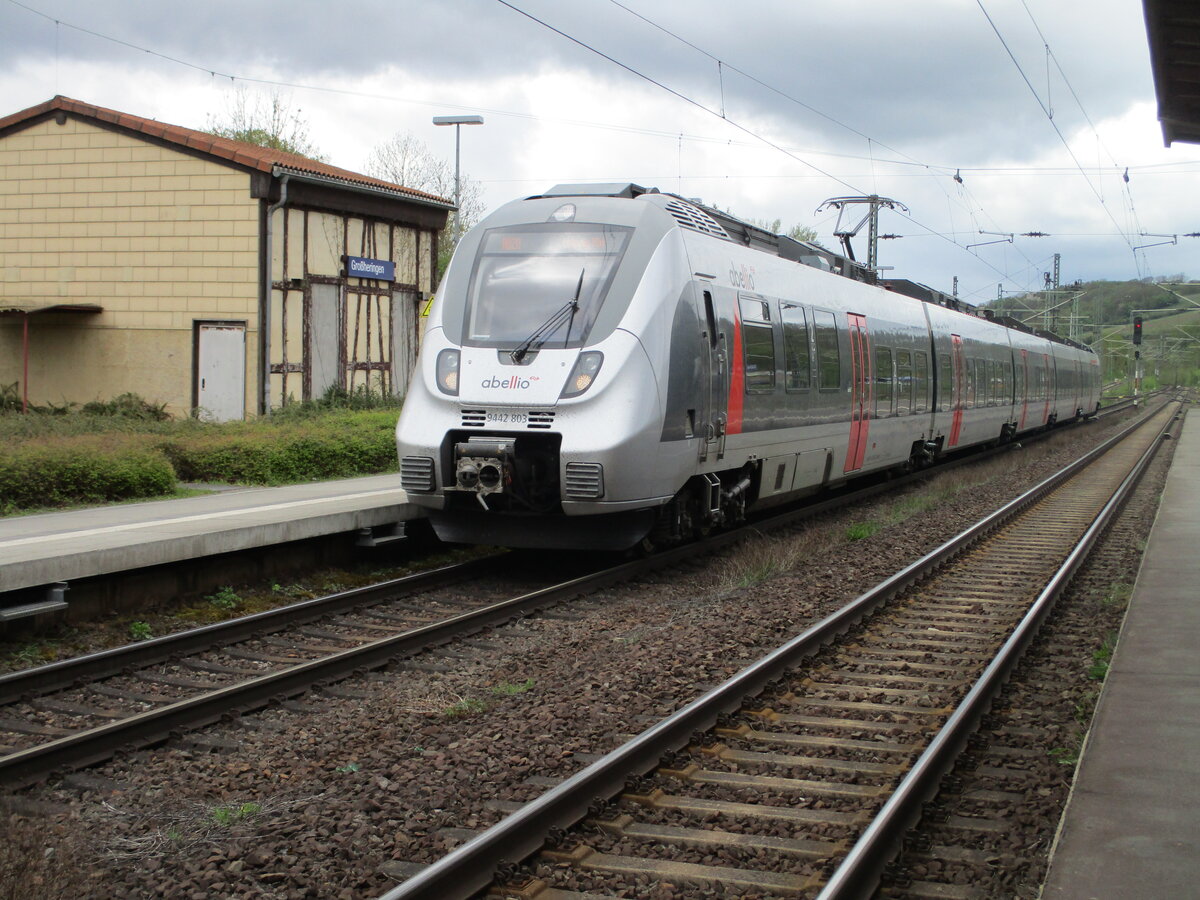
(329, 330)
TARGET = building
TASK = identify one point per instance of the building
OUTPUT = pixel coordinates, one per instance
(1173, 32)
(204, 273)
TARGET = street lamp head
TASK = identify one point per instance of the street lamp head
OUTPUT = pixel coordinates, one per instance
(458, 120)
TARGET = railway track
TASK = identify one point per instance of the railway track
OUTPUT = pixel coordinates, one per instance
(78, 712)
(807, 789)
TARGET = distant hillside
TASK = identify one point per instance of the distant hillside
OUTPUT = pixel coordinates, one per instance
(1110, 304)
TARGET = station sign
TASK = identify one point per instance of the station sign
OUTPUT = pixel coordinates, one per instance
(379, 269)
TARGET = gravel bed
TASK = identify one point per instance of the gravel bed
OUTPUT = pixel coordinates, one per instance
(1038, 723)
(330, 795)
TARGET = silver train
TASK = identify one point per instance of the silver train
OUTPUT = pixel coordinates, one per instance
(605, 365)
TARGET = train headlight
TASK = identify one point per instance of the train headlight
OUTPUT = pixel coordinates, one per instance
(583, 374)
(447, 372)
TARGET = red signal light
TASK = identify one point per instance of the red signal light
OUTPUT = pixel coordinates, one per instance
(1137, 329)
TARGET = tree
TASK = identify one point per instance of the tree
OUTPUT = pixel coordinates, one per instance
(405, 160)
(267, 120)
(796, 232)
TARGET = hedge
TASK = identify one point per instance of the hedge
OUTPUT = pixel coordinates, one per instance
(82, 470)
(288, 454)
(66, 469)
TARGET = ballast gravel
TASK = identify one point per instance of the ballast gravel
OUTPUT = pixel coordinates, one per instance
(342, 792)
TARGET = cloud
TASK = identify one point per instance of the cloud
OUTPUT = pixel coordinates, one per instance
(931, 86)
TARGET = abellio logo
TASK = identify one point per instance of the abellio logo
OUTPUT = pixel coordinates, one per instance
(511, 383)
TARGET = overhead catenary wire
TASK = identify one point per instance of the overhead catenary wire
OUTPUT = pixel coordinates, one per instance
(1066, 144)
(733, 123)
(926, 170)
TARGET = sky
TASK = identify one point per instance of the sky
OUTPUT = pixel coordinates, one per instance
(986, 119)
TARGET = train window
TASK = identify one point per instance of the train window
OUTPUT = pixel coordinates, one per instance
(990, 368)
(883, 382)
(1006, 383)
(920, 381)
(1020, 381)
(904, 382)
(969, 393)
(760, 358)
(710, 319)
(524, 276)
(754, 309)
(797, 360)
(945, 373)
(829, 357)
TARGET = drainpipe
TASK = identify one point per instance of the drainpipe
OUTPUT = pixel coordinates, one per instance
(264, 324)
(25, 370)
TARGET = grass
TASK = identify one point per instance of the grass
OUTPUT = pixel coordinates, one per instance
(1066, 756)
(508, 688)
(1118, 595)
(229, 815)
(225, 599)
(188, 826)
(1102, 658)
(467, 706)
(862, 530)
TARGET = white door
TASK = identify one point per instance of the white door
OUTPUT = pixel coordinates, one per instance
(221, 371)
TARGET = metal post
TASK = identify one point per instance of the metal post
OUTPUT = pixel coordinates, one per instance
(25, 364)
(873, 236)
(457, 155)
(457, 122)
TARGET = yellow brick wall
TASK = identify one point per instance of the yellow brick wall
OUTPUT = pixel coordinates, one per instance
(156, 237)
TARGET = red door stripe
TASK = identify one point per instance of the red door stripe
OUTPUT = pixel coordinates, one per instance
(860, 392)
(737, 379)
(956, 399)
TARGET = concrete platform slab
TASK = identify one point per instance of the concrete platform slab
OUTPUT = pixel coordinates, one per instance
(42, 549)
(1132, 823)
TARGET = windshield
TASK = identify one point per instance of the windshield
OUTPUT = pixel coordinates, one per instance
(524, 274)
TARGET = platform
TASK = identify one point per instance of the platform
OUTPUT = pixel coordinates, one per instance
(56, 547)
(1132, 823)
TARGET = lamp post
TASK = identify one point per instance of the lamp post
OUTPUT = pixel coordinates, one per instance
(457, 122)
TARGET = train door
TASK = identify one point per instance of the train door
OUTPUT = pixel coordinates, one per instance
(1023, 388)
(860, 391)
(1048, 381)
(959, 391)
(716, 384)
(1077, 384)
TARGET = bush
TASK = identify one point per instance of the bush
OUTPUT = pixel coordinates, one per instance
(83, 458)
(93, 469)
(130, 406)
(337, 399)
(337, 445)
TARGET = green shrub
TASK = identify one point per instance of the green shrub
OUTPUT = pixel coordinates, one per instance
(81, 470)
(337, 445)
(130, 406)
(337, 398)
(83, 458)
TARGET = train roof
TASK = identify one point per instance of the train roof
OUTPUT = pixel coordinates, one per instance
(694, 215)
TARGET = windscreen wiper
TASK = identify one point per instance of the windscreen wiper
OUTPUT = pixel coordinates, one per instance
(565, 313)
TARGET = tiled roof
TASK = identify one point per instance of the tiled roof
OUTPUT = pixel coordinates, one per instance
(251, 156)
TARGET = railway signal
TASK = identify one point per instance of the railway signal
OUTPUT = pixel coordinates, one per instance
(1137, 330)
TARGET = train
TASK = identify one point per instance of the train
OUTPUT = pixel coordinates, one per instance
(608, 366)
